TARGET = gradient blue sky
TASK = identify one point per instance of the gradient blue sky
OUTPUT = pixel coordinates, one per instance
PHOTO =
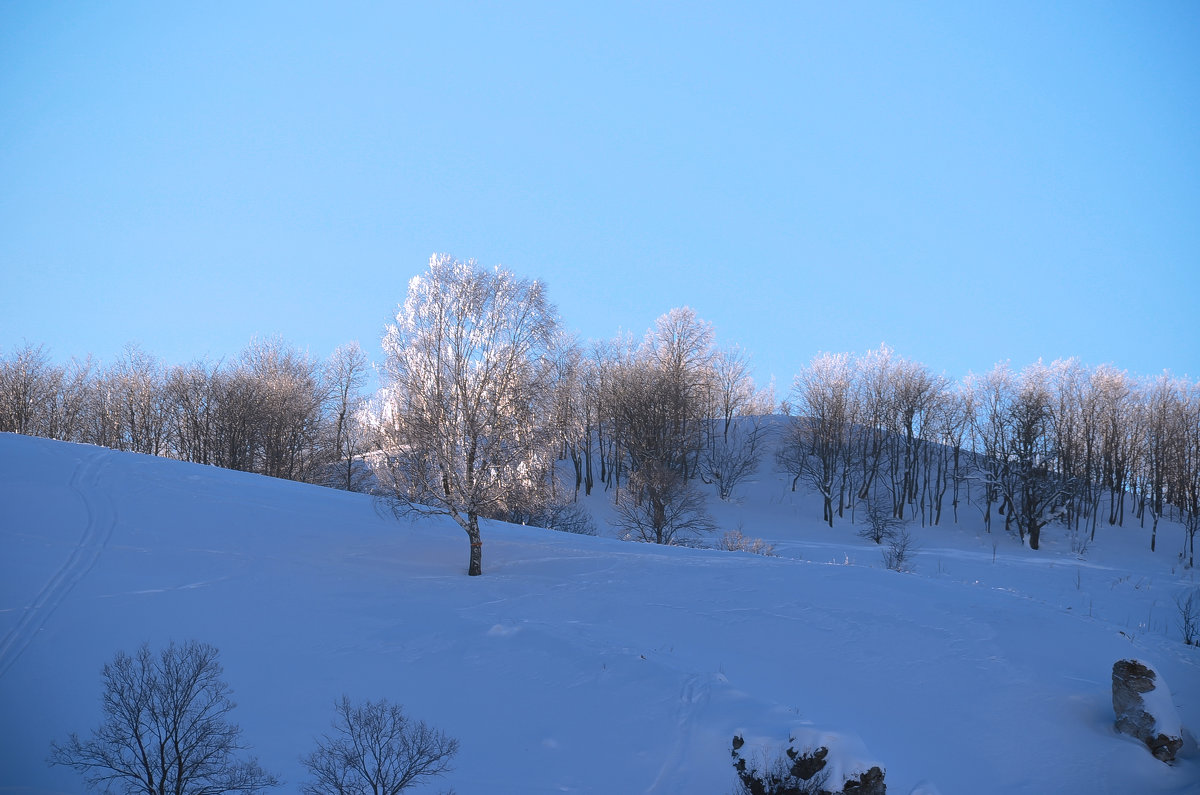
(968, 182)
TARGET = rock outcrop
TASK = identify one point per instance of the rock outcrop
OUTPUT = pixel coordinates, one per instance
(1144, 708)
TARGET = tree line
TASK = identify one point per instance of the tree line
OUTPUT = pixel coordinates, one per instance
(1051, 442)
(273, 409)
(484, 391)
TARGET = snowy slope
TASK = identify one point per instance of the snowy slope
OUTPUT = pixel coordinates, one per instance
(579, 664)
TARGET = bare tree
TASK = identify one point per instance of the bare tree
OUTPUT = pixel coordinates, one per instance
(28, 383)
(679, 352)
(657, 398)
(568, 410)
(137, 382)
(345, 375)
(74, 388)
(917, 396)
(900, 551)
(873, 385)
(467, 382)
(990, 396)
(663, 508)
(881, 523)
(733, 457)
(816, 444)
(192, 395)
(375, 748)
(1189, 615)
(166, 729)
(1032, 489)
(733, 385)
(733, 454)
(288, 410)
(1187, 478)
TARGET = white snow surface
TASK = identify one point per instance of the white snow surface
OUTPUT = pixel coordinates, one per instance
(580, 664)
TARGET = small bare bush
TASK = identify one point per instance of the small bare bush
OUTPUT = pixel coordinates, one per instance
(1189, 616)
(881, 524)
(566, 517)
(734, 541)
(900, 551)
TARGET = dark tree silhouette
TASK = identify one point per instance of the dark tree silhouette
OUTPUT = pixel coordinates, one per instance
(375, 748)
(166, 729)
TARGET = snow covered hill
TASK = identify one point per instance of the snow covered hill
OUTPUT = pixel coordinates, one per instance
(579, 664)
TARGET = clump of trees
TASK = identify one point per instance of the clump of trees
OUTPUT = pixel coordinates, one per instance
(667, 414)
(1057, 442)
(273, 410)
(484, 394)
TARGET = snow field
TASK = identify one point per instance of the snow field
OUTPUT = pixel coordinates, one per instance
(581, 664)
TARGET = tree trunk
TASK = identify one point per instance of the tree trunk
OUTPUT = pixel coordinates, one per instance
(476, 566)
(588, 481)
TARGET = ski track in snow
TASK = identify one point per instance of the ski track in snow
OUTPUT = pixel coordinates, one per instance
(101, 519)
(693, 697)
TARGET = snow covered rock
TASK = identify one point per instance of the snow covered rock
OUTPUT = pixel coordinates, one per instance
(1144, 708)
(807, 766)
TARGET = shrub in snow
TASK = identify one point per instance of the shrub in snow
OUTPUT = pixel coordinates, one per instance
(165, 729)
(803, 769)
(734, 541)
(376, 748)
(900, 550)
(1189, 616)
(1144, 708)
(882, 523)
(566, 517)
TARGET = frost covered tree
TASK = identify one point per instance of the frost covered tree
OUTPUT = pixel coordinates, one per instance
(136, 382)
(657, 420)
(1033, 490)
(732, 455)
(192, 396)
(287, 409)
(817, 441)
(28, 382)
(467, 374)
(345, 374)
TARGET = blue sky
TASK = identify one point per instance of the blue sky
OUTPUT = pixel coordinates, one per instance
(968, 182)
